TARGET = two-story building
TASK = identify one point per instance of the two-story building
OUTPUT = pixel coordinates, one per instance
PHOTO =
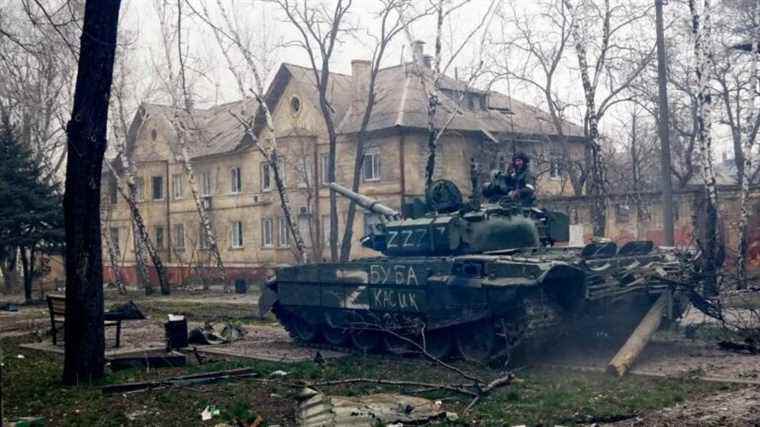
(237, 188)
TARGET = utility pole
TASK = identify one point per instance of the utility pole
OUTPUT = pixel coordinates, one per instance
(664, 129)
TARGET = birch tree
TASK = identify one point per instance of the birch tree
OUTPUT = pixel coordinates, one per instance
(704, 66)
(257, 64)
(395, 16)
(176, 85)
(736, 78)
(318, 29)
(593, 70)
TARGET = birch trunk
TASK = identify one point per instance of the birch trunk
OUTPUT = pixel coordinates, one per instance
(747, 139)
(596, 187)
(208, 230)
(142, 239)
(703, 69)
(113, 259)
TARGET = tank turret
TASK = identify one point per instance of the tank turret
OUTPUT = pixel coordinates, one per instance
(449, 226)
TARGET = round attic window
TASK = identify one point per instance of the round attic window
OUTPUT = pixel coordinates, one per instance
(153, 134)
(295, 105)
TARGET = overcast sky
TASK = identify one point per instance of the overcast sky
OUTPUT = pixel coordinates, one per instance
(214, 83)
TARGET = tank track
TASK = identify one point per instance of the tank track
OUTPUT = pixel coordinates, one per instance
(538, 319)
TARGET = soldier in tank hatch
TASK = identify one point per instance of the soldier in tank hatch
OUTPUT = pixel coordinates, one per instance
(517, 183)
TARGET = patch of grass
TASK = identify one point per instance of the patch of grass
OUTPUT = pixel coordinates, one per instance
(31, 387)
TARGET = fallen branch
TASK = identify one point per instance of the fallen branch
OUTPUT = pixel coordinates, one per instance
(462, 389)
(186, 380)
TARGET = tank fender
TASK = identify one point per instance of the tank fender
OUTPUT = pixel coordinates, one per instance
(268, 297)
(566, 284)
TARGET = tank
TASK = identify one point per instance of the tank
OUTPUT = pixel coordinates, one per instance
(472, 279)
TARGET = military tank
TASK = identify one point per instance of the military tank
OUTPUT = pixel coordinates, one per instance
(472, 279)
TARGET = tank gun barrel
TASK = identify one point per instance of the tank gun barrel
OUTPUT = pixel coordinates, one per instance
(365, 202)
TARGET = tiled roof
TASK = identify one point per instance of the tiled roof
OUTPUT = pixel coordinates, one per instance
(401, 101)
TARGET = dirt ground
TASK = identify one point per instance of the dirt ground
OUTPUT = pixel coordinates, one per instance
(669, 355)
(736, 408)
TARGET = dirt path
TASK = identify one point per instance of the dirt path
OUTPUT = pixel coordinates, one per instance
(736, 408)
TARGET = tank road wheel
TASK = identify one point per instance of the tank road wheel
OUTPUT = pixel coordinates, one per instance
(303, 329)
(365, 341)
(335, 336)
(476, 342)
(438, 342)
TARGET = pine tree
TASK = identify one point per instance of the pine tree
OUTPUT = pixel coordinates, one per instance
(31, 218)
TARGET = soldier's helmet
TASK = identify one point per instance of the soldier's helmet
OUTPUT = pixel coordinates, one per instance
(520, 155)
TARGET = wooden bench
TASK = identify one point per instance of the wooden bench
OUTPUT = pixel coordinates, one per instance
(57, 307)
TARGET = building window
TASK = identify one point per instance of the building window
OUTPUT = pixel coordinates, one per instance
(139, 189)
(113, 191)
(324, 164)
(179, 237)
(283, 233)
(305, 173)
(157, 183)
(207, 187)
(371, 165)
(177, 186)
(295, 105)
(555, 167)
(159, 235)
(371, 221)
(266, 178)
(203, 242)
(114, 237)
(267, 240)
(236, 181)
(622, 213)
(326, 229)
(237, 234)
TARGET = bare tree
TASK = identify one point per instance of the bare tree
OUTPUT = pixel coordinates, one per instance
(704, 68)
(84, 359)
(318, 29)
(737, 86)
(614, 19)
(257, 65)
(177, 86)
(394, 18)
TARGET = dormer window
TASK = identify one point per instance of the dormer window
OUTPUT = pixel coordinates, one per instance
(295, 105)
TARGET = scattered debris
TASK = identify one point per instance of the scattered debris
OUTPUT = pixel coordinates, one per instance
(168, 360)
(27, 422)
(278, 373)
(20, 356)
(210, 412)
(128, 311)
(749, 346)
(318, 409)
(9, 307)
(175, 331)
(207, 336)
(181, 381)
